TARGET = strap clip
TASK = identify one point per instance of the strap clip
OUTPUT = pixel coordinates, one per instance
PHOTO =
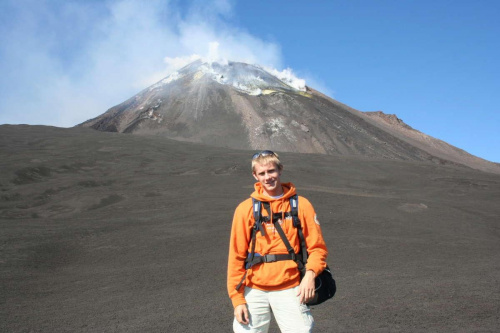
(270, 258)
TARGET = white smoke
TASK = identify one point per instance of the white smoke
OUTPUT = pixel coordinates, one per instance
(213, 56)
(289, 78)
(65, 62)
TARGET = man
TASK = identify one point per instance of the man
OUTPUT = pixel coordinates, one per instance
(274, 286)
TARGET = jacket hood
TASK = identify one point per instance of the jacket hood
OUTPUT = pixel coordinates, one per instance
(259, 194)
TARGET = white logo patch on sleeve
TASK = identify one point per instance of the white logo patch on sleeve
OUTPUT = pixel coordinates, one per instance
(316, 219)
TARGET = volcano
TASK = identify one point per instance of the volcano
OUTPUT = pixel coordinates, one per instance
(243, 106)
(112, 232)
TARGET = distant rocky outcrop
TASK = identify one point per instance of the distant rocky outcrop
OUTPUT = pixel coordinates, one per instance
(243, 106)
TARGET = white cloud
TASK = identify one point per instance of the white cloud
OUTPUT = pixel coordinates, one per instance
(63, 63)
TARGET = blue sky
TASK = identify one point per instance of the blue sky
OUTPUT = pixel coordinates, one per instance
(432, 63)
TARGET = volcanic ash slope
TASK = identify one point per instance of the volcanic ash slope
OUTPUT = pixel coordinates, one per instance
(243, 106)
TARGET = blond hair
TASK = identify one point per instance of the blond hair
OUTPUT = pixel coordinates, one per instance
(266, 157)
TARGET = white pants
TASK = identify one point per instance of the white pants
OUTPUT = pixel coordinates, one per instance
(290, 314)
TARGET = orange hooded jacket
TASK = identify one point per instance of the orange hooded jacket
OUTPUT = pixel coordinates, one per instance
(275, 275)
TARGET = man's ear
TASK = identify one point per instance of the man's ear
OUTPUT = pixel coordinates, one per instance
(255, 176)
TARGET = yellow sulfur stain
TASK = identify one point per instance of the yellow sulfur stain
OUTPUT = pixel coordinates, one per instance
(198, 75)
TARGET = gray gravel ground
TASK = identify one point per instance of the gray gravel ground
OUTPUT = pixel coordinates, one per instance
(107, 232)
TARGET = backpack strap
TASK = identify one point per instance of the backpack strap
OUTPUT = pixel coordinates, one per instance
(301, 258)
(272, 258)
(250, 258)
(257, 216)
(276, 216)
(294, 204)
(285, 240)
(257, 226)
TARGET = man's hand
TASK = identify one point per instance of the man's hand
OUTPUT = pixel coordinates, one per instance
(241, 314)
(307, 287)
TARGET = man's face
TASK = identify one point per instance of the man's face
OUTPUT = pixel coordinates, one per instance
(268, 175)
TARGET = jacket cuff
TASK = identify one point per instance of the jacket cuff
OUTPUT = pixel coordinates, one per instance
(316, 269)
(238, 300)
